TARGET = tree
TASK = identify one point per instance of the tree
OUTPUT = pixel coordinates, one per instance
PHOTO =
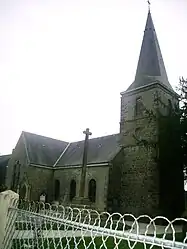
(2, 188)
(182, 89)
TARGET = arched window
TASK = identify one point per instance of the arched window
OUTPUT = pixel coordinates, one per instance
(72, 190)
(23, 192)
(92, 190)
(138, 106)
(57, 189)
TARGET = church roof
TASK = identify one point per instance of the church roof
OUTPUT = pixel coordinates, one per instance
(42, 150)
(51, 152)
(151, 66)
(101, 149)
(4, 160)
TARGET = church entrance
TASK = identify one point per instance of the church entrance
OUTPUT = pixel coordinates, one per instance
(92, 190)
(57, 190)
(72, 190)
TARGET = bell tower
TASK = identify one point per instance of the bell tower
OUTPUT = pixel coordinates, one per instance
(142, 184)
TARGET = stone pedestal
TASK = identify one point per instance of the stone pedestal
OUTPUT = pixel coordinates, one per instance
(81, 202)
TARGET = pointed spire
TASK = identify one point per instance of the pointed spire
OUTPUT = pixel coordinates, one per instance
(151, 66)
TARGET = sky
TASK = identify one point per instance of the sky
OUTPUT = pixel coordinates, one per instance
(63, 63)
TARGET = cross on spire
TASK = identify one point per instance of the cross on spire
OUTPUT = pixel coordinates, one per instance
(149, 4)
(150, 66)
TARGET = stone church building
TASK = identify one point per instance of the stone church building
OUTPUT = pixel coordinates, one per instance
(122, 173)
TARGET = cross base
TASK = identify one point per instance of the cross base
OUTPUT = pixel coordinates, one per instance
(81, 201)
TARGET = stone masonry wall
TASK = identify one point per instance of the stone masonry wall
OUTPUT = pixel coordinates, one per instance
(17, 154)
(141, 172)
(39, 180)
(114, 184)
(139, 185)
(34, 179)
(98, 173)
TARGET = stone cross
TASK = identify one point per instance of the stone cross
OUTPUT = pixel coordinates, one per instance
(84, 163)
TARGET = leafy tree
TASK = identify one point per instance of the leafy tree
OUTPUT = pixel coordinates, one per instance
(2, 188)
(182, 89)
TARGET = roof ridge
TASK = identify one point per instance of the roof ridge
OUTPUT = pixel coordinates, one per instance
(26, 132)
(26, 150)
(96, 138)
(5, 155)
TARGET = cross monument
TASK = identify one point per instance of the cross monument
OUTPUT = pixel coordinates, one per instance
(84, 163)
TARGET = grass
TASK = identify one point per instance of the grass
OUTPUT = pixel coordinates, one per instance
(87, 243)
(60, 226)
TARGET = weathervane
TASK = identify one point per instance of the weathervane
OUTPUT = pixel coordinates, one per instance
(149, 3)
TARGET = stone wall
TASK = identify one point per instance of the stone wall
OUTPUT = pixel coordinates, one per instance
(140, 183)
(32, 180)
(98, 173)
(114, 185)
(141, 172)
(38, 180)
(17, 154)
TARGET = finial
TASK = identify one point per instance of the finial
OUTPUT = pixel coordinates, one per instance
(149, 4)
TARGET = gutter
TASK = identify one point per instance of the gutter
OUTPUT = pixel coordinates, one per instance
(80, 166)
(69, 166)
(149, 85)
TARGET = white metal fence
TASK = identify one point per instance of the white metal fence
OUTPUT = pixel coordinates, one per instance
(38, 225)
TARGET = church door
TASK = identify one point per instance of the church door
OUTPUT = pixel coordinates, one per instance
(92, 190)
(72, 190)
(57, 190)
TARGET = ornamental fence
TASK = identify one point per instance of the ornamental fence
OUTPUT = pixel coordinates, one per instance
(38, 225)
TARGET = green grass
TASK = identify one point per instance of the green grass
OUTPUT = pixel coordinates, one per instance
(87, 243)
(60, 226)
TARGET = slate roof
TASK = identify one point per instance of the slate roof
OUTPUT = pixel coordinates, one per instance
(151, 66)
(51, 152)
(43, 150)
(101, 149)
(4, 160)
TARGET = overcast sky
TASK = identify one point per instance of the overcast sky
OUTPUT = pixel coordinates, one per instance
(63, 63)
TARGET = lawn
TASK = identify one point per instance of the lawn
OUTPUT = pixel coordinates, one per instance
(59, 226)
(78, 243)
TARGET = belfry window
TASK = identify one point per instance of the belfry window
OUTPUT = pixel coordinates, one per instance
(138, 106)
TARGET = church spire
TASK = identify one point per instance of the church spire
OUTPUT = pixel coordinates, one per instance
(150, 65)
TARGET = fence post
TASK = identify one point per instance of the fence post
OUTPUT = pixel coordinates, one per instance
(8, 199)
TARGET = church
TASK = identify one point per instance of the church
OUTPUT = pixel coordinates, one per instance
(117, 173)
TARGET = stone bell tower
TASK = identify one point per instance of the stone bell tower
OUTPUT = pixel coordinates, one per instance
(142, 187)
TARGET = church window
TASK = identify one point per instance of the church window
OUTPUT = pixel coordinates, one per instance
(138, 107)
(57, 190)
(16, 176)
(170, 103)
(92, 190)
(23, 192)
(72, 190)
